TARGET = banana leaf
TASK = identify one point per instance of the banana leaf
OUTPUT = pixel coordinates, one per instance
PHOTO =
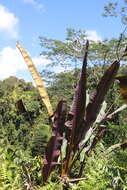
(54, 145)
(76, 115)
(37, 78)
(77, 112)
(97, 98)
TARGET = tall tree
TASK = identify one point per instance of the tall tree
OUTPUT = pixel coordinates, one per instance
(70, 52)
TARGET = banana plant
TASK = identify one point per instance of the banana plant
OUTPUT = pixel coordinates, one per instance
(84, 124)
(80, 129)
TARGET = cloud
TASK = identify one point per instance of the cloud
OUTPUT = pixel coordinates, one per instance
(92, 35)
(41, 61)
(11, 62)
(35, 3)
(8, 22)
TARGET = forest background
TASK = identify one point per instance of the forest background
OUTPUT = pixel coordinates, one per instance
(24, 135)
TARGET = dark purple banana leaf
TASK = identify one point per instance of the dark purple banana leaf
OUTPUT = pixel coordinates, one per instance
(77, 112)
(97, 98)
(53, 148)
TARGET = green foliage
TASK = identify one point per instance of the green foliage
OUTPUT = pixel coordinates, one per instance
(8, 169)
(119, 169)
(115, 134)
(40, 138)
(62, 87)
(19, 135)
(52, 186)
